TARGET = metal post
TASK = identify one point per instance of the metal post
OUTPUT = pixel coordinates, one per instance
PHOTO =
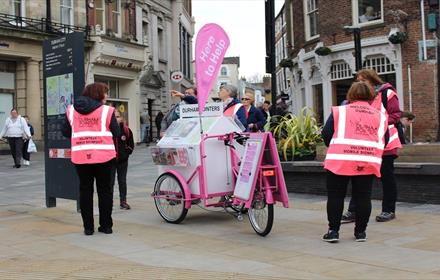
(357, 48)
(48, 17)
(270, 46)
(438, 72)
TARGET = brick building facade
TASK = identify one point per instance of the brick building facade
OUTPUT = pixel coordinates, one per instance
(322, 81)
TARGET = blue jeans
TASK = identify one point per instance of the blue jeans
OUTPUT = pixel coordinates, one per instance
(144, 132)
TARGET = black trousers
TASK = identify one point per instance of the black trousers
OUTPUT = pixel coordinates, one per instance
(26, 154)
(121, 170)
(16, 146)
(336, 190)
(87, 173)
(389, 186)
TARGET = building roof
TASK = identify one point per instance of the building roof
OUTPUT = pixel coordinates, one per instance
(232, 60)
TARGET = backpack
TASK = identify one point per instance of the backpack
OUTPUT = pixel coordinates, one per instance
(398, 125)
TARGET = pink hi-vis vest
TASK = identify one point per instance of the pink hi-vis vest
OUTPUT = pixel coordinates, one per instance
(92, 140)
(232, 111)
(358, 141)
(394, 141)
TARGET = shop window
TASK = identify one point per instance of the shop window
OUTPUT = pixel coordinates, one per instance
(116, 17)
(340, 70)
(66, 12)
(100, 16)
(311, 19)
(367, 12)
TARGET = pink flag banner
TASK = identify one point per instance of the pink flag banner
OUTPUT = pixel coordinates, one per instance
(211, 45)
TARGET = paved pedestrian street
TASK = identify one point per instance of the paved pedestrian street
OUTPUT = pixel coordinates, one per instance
(48, 243)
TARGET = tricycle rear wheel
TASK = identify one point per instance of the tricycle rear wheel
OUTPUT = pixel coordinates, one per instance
(169, 198)
(261, 216)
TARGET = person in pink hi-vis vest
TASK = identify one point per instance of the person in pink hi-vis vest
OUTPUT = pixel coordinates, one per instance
(356, 137)
(386, 100)
(91, 126)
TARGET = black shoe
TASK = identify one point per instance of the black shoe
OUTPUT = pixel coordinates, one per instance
(360, 236)
(106, 230)
(331, 236)
(88, 231)
(124, 205)
(17, 166)
(385, 217)
(348, 217)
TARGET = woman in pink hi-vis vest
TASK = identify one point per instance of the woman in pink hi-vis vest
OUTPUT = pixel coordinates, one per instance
(91, 125)
(386, 99)
(355, 136)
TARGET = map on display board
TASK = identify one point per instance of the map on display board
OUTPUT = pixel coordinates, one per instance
(59, 94)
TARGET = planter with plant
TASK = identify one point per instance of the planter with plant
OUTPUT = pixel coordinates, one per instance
(297, 136)
(398, 37)
(323, 51)
(286, 63)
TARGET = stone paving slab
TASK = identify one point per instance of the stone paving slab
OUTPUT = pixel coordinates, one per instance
(41, 243)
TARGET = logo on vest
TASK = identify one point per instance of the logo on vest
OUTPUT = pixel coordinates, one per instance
(360, 168)
(88, 122)
(89, 156)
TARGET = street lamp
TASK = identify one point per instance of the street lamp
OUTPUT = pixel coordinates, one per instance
(269, 6)
(357, 45)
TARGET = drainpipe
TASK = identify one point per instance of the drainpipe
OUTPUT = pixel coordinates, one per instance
(410, 102)
(422, 11)
(48, 17)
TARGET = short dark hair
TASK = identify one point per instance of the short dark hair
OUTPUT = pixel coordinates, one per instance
(14, 109)
(96, 91)
(194, 89)
(359, 91)
(267, 102)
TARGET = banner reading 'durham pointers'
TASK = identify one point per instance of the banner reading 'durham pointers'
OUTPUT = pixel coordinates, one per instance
(211, 45)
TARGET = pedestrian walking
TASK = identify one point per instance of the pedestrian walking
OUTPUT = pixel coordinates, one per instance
(158, 120)
(91, 125)
(355, 136)
(26, 153)
(231, 106)
(145, 127)
(15, 131)
(124, 145)
(406, 120)
(254, 117)
(387, 101)
(189, 97)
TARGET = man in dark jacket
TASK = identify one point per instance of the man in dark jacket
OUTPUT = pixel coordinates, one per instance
(124, 145)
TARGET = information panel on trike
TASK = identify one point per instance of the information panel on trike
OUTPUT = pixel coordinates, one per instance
(207, 159)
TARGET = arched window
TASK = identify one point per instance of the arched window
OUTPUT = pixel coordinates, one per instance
(380, 63)
(340, 70)
(224, 71)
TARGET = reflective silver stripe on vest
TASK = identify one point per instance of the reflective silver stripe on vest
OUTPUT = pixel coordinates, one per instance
(237, 107)
(71, 115)
(93, 147)
(364, 143)
(91, 134)
(104, 117)
(341, 122)
(353, 158)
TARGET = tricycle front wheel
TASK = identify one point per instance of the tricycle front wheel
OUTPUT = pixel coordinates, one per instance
(261, 216)
(169, 198)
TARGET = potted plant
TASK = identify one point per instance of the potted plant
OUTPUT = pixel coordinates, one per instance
(323, 51)
(297, 136)
(286, 63)
(398, 37)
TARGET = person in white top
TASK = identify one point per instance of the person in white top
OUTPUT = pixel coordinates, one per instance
(15, 130)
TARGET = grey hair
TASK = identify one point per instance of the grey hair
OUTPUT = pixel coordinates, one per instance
(231, 89)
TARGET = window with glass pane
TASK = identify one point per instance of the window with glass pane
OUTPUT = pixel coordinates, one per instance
(99, 11)
(116, 14)
(312, 14)
(66, 12)
(16, 7)
(369, 10)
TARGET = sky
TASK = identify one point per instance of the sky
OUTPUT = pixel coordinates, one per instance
(243, 21)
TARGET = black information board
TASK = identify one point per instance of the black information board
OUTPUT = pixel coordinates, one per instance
(63, 79)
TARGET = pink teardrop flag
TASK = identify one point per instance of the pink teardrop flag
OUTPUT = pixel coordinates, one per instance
(211, 45)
